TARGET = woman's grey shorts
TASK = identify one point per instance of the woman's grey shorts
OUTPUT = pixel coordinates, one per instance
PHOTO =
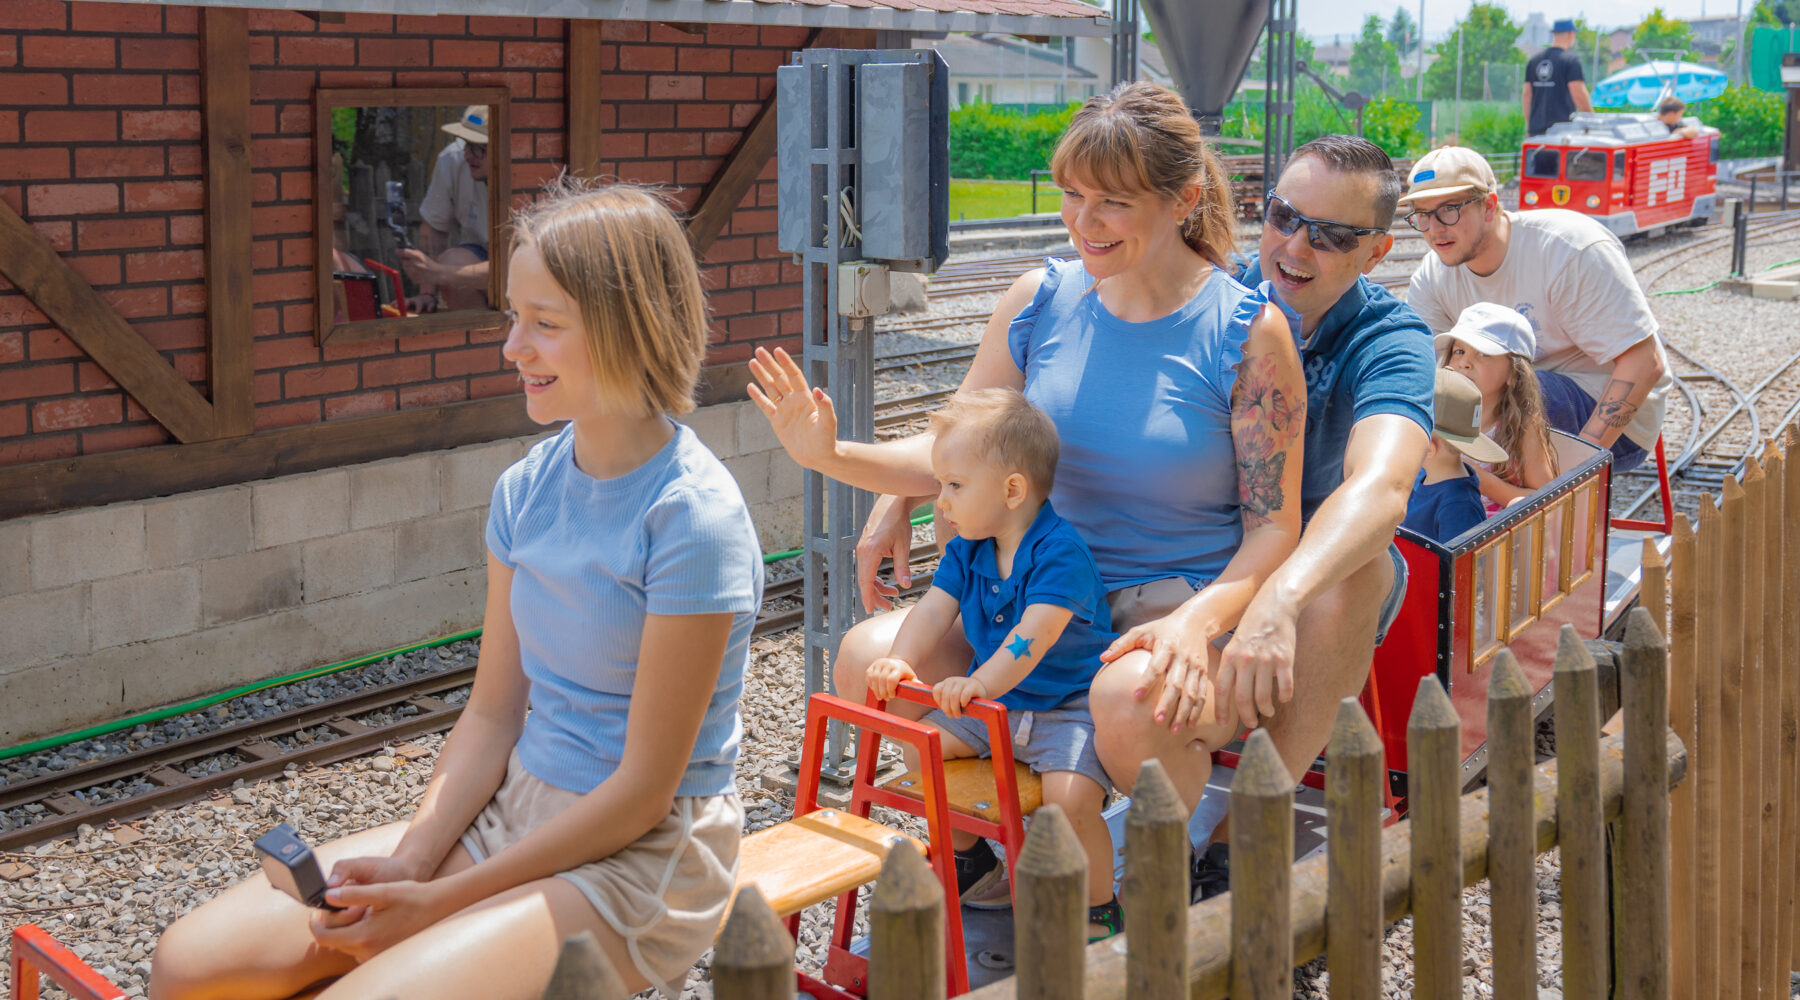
(1055, 739)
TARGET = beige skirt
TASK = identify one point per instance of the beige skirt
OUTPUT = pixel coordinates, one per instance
(665, 894)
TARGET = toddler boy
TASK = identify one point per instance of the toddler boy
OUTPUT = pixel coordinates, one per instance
(1446, 498)
(1035, 611)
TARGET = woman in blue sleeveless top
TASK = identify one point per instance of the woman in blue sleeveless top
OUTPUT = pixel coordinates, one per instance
(1179, 399)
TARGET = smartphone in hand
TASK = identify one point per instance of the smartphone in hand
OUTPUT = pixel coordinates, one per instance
(291, 866)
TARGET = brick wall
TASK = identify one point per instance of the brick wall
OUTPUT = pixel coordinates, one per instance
(100, 152)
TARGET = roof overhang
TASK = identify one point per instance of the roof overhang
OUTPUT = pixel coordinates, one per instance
(874, 16)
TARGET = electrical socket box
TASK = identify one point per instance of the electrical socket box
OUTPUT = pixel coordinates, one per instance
(862, 289)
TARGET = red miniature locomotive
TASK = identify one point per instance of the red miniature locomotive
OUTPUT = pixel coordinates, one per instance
(1626, 170)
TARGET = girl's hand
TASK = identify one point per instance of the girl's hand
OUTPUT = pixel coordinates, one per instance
(1179, 658)
(954, 693)
(378, 916)
(802, 417)
(885, 675)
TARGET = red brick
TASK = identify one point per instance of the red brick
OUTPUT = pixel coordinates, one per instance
(280, 20)
(549, 146)
(359, 349)
(359, 405)
(673, 144)
(437, 341)
(34, 14)
(752, 221)
(648, 172)
(48, 345)
(191, 366)
(173, 334)
(60, 235)
(159, 53)
(363, 24)
(285, 352)
(405, 24)
(138, 303)
(17, 310)
(98, 270)
(493, 385)
(436, 394)
(282, 286)
(186, 230)
(625, 145)
(71, 126)
(296, 253)
(149, 126)
(751, 327)
(517, 84)
(69, 414)
(665, 87)
(185, 160)
(393, 371)
(743, 114)
(643, 116)
(181, 20)
(187, 300)
(702, 116)
(447, 52)
(428, 78)
(116, 17)
(262, 51)
(114, 89)
(294, 118)
(622, 31)
(36, 380)
(71, 199)
(454, 364)
(323, 380)
(766, 272)
(90, 377)
(314, 50)
(12, 348)
(394, 52)
(147, 196)
(494, 335)
(281, 84)
(733, 88)
(355, 78)
(63, 51)
(34, 164)
(40, 448)
(167, 265)
(119, 161)
(773, 299)
(123, 438)
(12, 420)
(9, 126)
(183, 90)
(294, 151)
(758, 62)
(622, 86)
(265, 186)
(723, 303)
(266, 388)
(647, 58)
(543, 55)
(548, 86)
(522, 27)
(298, 317)
(287, 415)
(707, 59)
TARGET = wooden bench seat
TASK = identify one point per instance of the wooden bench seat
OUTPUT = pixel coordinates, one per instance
(969, 785)
(815, 857)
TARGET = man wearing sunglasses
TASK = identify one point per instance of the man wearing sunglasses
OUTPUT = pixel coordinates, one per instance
(1599, 360)
(1309, 635)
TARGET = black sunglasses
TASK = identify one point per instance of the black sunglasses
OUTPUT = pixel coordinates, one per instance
(1331, 237)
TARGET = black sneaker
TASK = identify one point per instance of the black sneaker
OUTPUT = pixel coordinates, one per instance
(1210, 874)
(1107, 915)
(977, 869)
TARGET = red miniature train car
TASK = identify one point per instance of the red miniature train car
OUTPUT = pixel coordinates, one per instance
(1626, 170)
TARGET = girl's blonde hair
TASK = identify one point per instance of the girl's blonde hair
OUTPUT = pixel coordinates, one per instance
(619, 253)
(1519, 421)
(1141, 139)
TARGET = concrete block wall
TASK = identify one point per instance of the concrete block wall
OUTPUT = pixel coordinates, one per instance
(113, 610)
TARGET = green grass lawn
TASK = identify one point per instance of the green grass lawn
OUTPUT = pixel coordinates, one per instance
(999, 199)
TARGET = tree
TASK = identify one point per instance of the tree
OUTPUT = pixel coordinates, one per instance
(1402, 33)
(1660, 37)
(1374, 63)
(1487, 37)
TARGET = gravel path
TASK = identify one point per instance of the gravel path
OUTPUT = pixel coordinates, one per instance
(108, 893)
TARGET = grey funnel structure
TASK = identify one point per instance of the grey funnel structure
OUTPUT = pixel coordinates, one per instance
(1208, 45)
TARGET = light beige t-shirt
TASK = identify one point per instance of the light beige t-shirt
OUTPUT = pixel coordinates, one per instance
(1570, 278)
(455, 202)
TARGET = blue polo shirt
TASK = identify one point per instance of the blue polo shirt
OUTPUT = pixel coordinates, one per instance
(1053, 566)
(1370, 354)
(1442, 510)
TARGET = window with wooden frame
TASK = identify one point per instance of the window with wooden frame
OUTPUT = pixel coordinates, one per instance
(411, 192)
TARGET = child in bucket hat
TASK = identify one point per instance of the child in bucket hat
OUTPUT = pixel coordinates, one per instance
(1446, 498)
(1494, 346)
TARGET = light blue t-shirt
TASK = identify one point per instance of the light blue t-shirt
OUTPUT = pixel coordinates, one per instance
(590, 558)
(1148, 475)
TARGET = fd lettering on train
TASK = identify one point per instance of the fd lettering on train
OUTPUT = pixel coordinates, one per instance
(1668, 178)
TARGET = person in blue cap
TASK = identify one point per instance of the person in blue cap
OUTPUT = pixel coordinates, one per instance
(1554, 88)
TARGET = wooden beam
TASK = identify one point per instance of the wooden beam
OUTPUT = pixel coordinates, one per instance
(79, 311)
(230, 334)
(137, 474)
(581, 84)
(712, 210)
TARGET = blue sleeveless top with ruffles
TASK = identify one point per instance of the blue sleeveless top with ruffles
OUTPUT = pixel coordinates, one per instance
(1148, 475)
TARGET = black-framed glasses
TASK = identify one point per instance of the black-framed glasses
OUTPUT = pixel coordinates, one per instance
(1331, 237)
(1447, 215)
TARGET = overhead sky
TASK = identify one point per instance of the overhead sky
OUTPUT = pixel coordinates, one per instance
(1324, 19)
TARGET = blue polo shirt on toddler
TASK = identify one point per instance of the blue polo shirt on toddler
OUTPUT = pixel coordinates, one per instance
(1053, 566)
(1442, 510)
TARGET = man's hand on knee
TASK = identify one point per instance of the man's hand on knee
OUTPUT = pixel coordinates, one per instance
(1257, 668)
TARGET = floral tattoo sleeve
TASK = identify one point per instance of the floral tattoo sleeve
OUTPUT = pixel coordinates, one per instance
(1267, 417)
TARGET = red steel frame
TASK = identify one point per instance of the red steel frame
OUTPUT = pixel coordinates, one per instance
(1667, 524)
(846, 973)
(35, 953)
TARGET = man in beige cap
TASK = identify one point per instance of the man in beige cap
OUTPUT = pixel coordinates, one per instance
(1599, 360)
(451, 264)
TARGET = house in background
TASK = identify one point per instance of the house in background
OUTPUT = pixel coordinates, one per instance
(1020, 72)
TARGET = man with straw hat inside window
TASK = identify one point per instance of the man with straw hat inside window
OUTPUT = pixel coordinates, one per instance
(451, 263)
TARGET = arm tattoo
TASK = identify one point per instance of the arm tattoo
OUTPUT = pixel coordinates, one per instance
(1020, 647)
(1263, 423)
(1615, 408)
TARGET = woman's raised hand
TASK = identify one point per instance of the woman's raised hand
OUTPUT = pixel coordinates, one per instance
(802, 417)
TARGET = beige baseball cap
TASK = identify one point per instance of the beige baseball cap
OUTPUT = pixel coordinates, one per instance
(474, 124)
(1458, 416)
(1449, 170)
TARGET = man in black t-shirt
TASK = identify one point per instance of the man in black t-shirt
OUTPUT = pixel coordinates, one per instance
(1554, 89)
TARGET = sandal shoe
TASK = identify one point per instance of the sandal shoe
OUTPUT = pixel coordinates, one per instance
(978, 869)
(1107, 915)
(1210, 873)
